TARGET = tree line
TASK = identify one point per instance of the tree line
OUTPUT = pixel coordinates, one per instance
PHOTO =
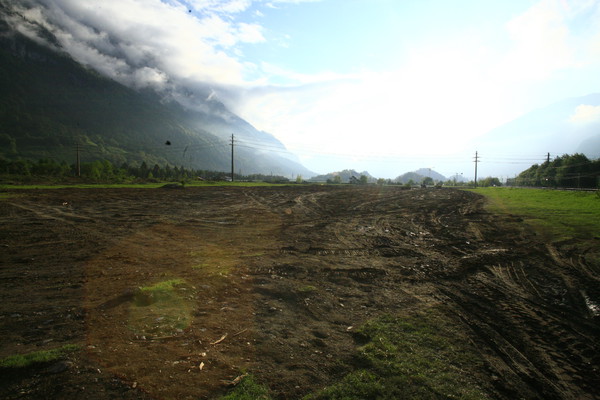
(104, 171)
(566, 171)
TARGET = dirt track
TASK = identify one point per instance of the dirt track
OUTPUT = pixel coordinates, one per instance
(272, 280)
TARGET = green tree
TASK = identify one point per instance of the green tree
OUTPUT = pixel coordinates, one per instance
(107, 170)
(565, 171)
(168, 172)
(489, 181)
(20, 167)
(574, 171)
(8, 143)
(156, 172)
(92, 170)
(143, 171)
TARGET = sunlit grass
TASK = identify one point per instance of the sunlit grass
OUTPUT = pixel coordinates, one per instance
(37, 357)
(306, 289)
(558, 213)
(161, 309)
(161, 289)
(248, 389)
(420, 356)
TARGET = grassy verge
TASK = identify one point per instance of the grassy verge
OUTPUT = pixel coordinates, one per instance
(136, 185)
(421, 356)
(559, 214)
(159, 291)
(37, 357)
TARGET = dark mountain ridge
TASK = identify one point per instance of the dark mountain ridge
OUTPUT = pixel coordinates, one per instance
(49, 104)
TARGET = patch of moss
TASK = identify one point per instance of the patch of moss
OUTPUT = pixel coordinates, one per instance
(37, 357)
(158, 292)
(307, 289)
(418, 356)
(248, 389)
(163, 309)
(361, 384)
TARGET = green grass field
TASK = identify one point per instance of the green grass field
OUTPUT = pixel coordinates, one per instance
(559, 214)
(137, 185)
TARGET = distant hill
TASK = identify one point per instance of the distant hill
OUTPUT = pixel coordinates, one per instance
(428, 172)
(591, 146)
(457, 178)
(344, 176)
(420, 174)
(49, 103)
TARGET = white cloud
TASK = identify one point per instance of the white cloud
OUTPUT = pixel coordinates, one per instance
(294, 1)
(541, 43)
(123, 37)
(250, 33)
(147, 76)
(551, 36)
(221, 6)
(584, 114)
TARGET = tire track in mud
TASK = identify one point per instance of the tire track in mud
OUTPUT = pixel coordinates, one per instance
(533, 349)
(531, 319)
(531, 345)
(293, 271)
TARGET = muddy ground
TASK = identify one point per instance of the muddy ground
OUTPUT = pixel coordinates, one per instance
(273, 281)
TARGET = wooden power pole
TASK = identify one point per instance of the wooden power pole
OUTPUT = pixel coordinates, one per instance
(476, 161)
(78, 163)
(232, 167)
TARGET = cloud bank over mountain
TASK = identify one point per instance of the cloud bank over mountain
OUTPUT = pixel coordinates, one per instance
(125, 40)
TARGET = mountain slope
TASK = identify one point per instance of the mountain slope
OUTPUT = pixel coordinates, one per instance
(559, 128)
(48, 103)
(420, 174)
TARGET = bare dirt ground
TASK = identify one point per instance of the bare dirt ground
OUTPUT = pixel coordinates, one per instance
(273, 281)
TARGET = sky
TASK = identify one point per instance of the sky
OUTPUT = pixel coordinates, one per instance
(386, 86)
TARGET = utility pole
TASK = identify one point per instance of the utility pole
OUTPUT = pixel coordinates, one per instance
(78, 164)
(476, 161)
(232, 168)
(548, 158)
